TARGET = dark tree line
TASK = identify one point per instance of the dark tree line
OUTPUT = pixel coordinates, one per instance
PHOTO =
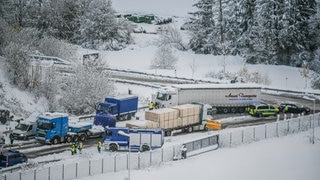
(83, 22)
(272, 32)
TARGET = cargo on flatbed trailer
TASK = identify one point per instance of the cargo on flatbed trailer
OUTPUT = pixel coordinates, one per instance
(181, 118)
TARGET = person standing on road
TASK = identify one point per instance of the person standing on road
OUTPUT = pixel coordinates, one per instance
(151, 105)
(183, 150)
(99, 145)
(73, 149)
(11, 138)
(80, 146)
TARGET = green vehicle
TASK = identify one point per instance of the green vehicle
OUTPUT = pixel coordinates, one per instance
(260, 110)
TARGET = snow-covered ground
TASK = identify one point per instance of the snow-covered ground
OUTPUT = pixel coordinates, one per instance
(289, 158)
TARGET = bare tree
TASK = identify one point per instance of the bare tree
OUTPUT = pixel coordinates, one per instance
(164, 59)
(88, 86)
(193, 66)
(171, 36)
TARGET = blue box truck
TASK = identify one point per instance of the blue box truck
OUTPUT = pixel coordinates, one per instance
(122, 107)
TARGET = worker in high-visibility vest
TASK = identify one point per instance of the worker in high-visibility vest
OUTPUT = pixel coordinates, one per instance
(151, 105)
(73, 149)
(99, 146)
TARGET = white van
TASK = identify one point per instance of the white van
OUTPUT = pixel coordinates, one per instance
(25, 130)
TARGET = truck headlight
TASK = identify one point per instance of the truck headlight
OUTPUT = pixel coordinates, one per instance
(21, 135)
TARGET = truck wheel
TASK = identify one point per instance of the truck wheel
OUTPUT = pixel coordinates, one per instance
(83, 137)
(225, 110)
(190, 129)
(233, 110)
(128, 117)
(55, 141)
(168, 133)
(3, 120)
(68, 139)
(241, 110)
(113, 147)
(145, 148)
(75, 138)
(260, 115)
(205, 128)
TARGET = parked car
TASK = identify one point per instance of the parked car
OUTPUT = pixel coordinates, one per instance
(293, 108)
(262, 109)
(11, 158)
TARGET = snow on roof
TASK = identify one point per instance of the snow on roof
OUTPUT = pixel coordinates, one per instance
(50, 115)
(217, 86)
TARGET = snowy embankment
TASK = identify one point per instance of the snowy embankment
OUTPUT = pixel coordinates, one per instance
(292, 157)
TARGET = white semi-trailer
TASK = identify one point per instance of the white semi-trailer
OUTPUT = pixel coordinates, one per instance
(224, 98)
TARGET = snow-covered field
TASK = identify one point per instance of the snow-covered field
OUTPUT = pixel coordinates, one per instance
(288, 158)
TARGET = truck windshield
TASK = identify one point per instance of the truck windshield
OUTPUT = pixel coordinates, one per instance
(161, 96)
(102, 108)
(44, 125)
(22, 127)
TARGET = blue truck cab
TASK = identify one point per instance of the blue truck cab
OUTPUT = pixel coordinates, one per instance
(52, 127)
(122, 107)
(120, 138)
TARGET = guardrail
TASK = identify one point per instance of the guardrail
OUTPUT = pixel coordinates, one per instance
(276, 90)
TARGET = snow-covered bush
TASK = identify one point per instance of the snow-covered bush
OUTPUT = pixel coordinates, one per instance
(164, 59)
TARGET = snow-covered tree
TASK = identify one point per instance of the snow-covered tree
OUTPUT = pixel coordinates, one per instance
(202, 25)
(88, 86)
(100, 29)
(51, 46)
(17, 64)
(164, 59)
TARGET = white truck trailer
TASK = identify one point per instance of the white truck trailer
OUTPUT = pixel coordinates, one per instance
(224, 98)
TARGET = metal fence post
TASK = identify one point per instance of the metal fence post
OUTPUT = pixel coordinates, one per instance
(76, 170)
(89, 167)
(254, 133)
(35, 174)
(288, 128)
(115, 164)
(230, 139)
(299, 128)
(127, 161)
(161, 154)
(63, 171)
(265, 131)
(242, 136)
(102, 161)
(139, 159)
(277, 129)
(150, 157)
(49, 172)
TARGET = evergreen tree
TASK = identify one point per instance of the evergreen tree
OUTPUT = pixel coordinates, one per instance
(202, 28)
(244, 43)
(100, 29)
